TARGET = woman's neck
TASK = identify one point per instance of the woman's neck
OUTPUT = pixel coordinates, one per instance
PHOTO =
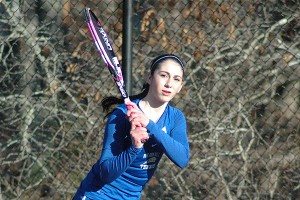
(152, 109)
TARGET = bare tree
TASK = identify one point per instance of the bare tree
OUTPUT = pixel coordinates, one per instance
(47, 109)
(240, 95)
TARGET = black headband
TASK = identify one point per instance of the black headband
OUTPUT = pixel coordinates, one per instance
(164, 57)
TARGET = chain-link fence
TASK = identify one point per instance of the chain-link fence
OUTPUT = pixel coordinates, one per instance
(241, 95)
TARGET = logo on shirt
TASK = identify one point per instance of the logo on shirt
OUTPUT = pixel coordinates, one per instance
(151, 160)
(164, 129)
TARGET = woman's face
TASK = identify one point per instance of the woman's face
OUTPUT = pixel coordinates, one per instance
(166, 81)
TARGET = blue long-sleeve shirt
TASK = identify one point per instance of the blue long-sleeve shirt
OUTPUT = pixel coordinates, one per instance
(123, 170)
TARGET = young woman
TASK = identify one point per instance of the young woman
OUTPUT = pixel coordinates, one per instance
(136, 139)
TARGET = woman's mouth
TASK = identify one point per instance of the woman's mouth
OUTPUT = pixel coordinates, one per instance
(166, 92)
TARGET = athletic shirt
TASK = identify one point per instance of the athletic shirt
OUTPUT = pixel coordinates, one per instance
(123, 170)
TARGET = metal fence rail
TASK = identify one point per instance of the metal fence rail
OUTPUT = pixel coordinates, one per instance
(241, 95)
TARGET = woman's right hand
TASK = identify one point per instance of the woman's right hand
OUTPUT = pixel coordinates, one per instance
(136, 116)
(138, 135)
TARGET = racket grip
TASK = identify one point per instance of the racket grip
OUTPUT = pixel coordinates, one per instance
(129, 107)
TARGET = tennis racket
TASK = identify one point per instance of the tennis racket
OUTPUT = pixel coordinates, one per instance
(107, 53)
(105, 48)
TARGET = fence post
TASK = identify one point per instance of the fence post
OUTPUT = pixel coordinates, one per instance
(127, 43)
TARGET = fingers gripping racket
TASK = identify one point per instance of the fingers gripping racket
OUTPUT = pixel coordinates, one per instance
(107, 53)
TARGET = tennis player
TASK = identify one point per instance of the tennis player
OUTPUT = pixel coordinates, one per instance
(135, 139)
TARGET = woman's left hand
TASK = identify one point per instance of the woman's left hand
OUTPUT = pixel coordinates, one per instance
(138, 136)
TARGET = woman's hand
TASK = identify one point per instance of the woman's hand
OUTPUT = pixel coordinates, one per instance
(136, 117)
(138, 135)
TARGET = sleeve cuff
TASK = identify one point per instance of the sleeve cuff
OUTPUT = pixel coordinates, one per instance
(151, 128)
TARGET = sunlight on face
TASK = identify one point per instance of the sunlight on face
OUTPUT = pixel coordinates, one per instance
(166, 81)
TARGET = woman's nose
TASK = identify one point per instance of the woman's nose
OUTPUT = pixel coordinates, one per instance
(168, 83)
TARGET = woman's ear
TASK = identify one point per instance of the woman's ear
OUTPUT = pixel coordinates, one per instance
(149, 79)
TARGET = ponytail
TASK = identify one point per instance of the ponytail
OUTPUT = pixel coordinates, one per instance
(108, 102)
(143, 94)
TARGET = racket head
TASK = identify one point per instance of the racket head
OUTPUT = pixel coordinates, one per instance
(105, 48)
